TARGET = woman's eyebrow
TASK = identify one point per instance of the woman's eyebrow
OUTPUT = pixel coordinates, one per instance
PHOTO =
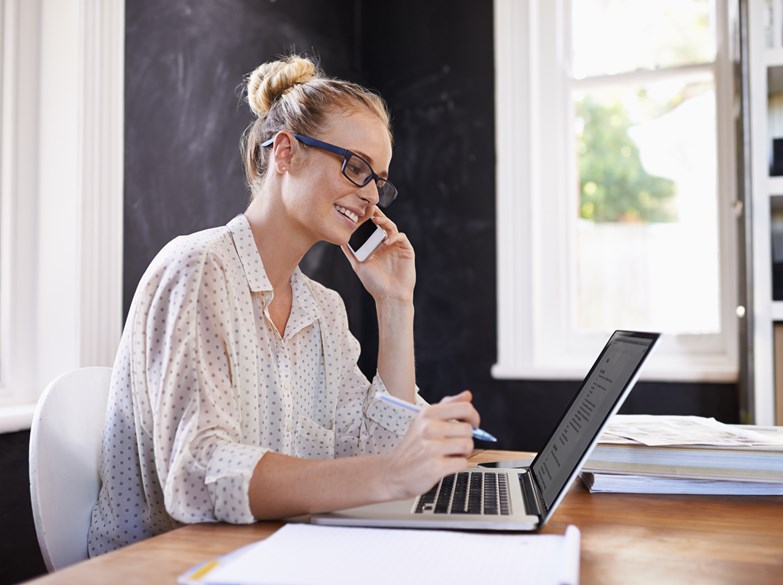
(382, 174)
(362, 154)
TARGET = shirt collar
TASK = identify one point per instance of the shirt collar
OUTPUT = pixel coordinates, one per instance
(248, 254)
(304, 309)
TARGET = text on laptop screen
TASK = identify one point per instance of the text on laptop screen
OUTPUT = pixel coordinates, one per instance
(597, 396)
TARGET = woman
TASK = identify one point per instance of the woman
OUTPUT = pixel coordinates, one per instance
(235, 395)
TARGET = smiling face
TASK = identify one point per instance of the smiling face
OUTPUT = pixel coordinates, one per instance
(321, 201)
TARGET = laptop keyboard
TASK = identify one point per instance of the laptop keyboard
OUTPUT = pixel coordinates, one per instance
(468, 492)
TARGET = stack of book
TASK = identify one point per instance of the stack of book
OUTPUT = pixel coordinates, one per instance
(685, 455)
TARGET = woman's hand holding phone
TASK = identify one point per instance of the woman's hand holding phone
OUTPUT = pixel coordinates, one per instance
(389, 273)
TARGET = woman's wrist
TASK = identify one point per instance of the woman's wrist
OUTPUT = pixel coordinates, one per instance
(395, 322)
(395, 307)
(385, 486)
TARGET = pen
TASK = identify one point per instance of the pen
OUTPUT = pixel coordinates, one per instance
(479, 434)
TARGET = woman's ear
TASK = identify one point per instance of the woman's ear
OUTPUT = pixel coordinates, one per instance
(283, 151)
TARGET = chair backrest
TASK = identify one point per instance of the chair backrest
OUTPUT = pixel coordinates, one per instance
(65, 443)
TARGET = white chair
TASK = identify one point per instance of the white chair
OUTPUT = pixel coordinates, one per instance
(65, 442)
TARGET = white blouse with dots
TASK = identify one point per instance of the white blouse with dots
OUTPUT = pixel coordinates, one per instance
(204, 385)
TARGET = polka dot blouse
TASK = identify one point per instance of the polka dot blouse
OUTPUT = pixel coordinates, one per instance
(204, 385)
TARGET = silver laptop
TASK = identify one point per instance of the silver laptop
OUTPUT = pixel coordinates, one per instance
(524, 498)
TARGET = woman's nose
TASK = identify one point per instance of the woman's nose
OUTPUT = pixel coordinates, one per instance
(370, 193)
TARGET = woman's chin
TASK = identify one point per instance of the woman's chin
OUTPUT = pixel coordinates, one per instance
(337, 241)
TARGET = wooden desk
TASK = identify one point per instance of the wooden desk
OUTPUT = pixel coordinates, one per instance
(628, 539)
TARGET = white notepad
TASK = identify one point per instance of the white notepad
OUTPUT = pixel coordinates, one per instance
(329, 555)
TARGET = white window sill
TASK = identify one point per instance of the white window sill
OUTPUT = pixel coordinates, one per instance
(16, 418)
(712, 373)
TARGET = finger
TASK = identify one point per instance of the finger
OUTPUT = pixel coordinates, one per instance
(446, 466)
(457, 429)
(398, 239)
(458, 447)
(453, 465)
(464, 396)
(447, 446)
(462, 411)
(449, 410)
(436, 430)
(386, 224)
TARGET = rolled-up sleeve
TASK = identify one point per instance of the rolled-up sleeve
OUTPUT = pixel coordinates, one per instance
(203, 465)
(387, 416)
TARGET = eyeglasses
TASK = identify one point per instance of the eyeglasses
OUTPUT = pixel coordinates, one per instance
(357, 170)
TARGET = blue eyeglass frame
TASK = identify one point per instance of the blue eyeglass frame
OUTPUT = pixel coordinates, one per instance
(384, 199)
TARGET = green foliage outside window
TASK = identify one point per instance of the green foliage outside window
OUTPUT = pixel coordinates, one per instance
(613, 185)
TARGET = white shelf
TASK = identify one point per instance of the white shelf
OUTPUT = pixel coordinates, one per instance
(776, 311)
(774, 57)
(775, 186)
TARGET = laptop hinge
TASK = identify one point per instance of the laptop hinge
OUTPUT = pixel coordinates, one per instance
(533, 504)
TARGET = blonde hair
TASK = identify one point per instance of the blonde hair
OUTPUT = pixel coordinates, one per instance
(293, 94)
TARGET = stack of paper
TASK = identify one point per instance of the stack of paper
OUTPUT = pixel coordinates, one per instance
(685, 455)
(321, 555)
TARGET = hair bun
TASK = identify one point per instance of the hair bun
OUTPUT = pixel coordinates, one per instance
(271, 80)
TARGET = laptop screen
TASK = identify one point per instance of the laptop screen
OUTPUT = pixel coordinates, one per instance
(598, 396)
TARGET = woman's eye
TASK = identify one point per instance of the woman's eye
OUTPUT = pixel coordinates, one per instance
(354, 168)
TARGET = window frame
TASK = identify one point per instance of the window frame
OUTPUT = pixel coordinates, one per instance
(532, 93)
(18, 144)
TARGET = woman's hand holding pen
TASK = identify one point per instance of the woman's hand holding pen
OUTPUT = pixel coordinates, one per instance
(434, 446)
(390, 273)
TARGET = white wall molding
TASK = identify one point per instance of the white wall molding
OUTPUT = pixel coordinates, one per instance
(80, 219)
(102, 139)
(515, 46)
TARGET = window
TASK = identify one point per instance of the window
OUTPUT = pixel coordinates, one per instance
(615, 182)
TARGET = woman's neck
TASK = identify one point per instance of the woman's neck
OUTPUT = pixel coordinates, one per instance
(278, 241)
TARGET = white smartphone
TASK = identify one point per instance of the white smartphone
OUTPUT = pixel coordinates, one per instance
(365, 240)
